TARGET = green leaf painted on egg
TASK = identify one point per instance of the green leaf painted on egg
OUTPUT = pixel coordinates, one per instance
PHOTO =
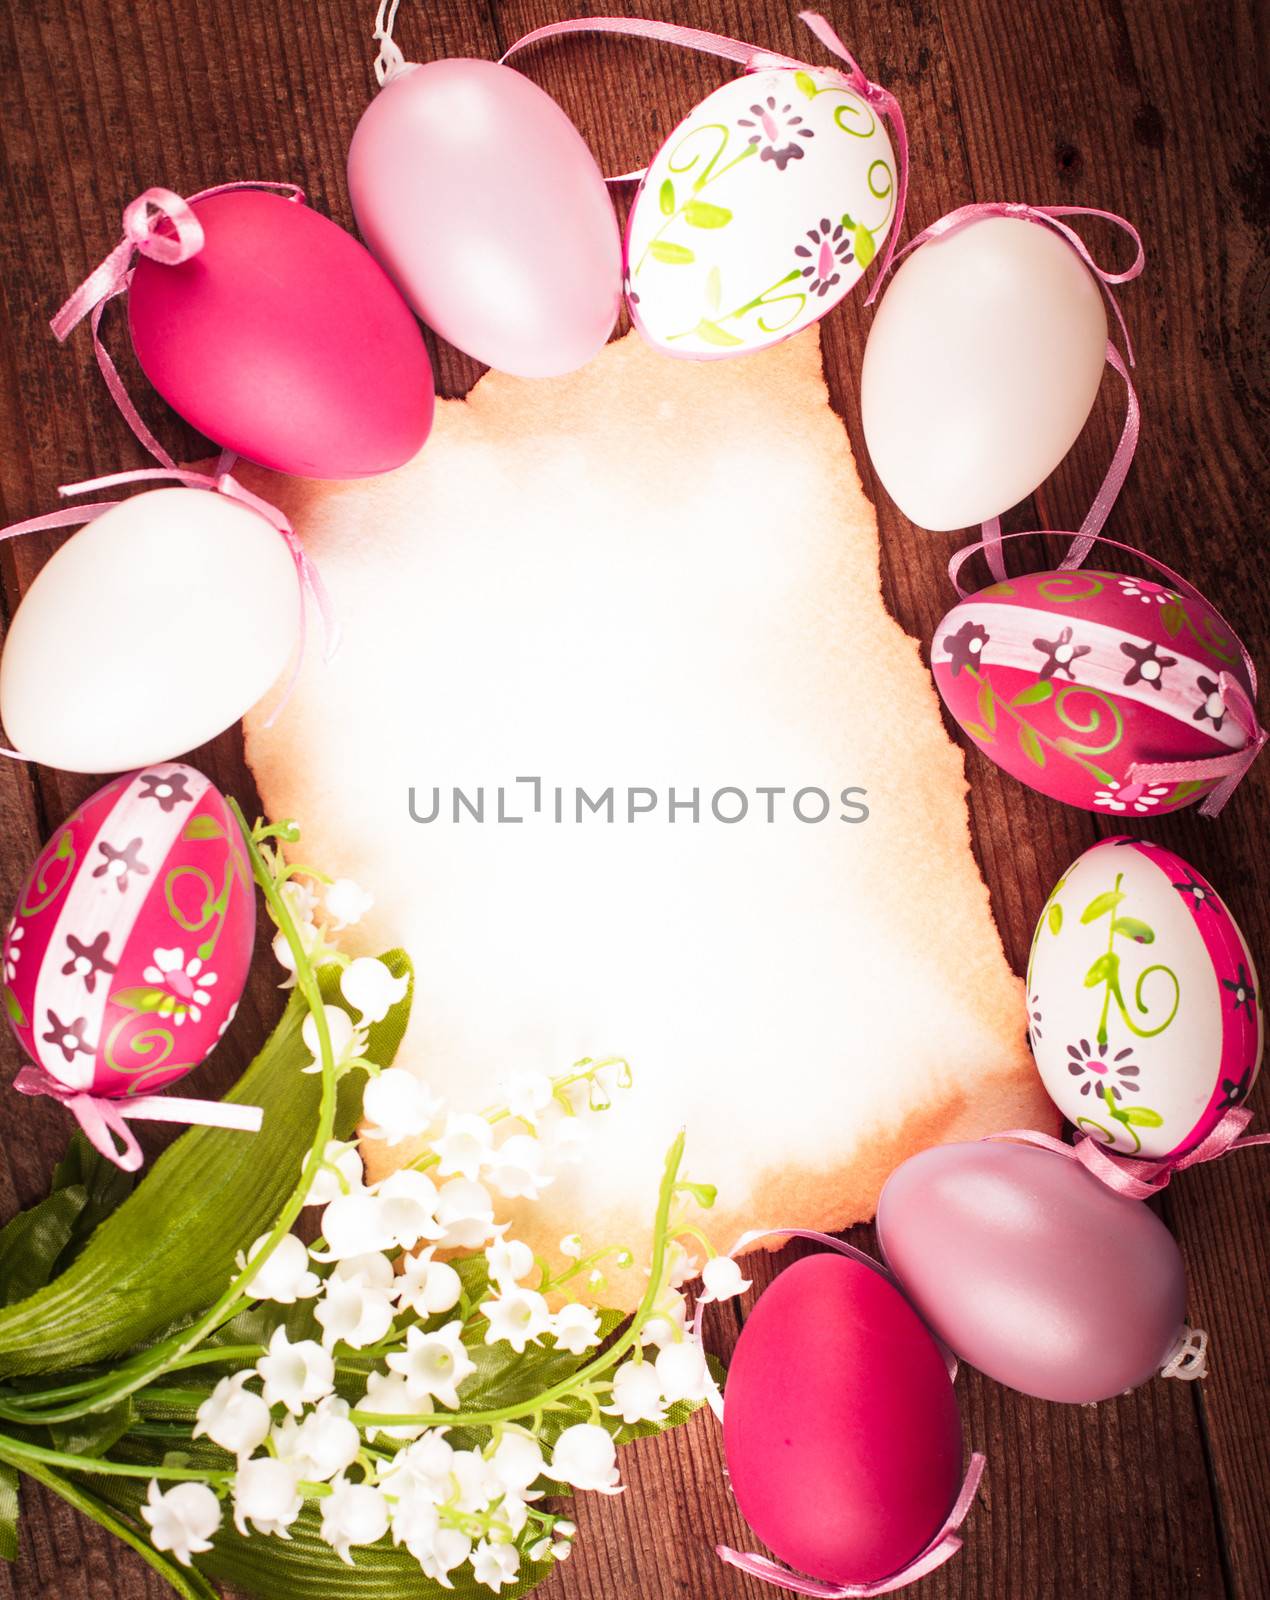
(866, 246)
(702, 214)
(203, 827)
(666, 197)
(1055, 917)
(14, 1007)
(1031, 745)
(1131, 928)
(1034, 695)
(1101, 904)
(714, 288)
(806, 84)
(669, 254)
(712, 333)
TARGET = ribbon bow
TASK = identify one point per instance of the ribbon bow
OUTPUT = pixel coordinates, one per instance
(105, 1121)
(162, 226)
(945, 1543)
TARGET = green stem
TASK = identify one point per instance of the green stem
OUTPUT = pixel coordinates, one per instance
(19, 1453)
(197, 1358)
(567, 1386)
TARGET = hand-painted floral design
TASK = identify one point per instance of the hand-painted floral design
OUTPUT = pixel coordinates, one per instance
(965, 646)
(68, 1036)
(1148, 664)
(1034, 1017)
(12, 948)
(170, 789)
(185, 984)
(776, 131)
(828, 250)
(1212, 708)
(1130, 797)
(1242, 991)
(1059, 654)
(1199, 894)
(1149, 593)
(1235, 1090)
(1102, 1074)
(87, 960)
(120, 864)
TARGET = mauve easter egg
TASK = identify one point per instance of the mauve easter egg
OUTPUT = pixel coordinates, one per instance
(131, 941)
(840, 1424)
(1143, 1008)
(482, 200)
(1066, 679)
(980, 370)
(284, 340)
(760, 212)
(1032, 1270)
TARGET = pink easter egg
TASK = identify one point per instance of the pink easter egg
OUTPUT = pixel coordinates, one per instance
(283, 339)
(840, 1424)
(1066, 679)
(132, 938)
(1032, 1270)
(484, 203)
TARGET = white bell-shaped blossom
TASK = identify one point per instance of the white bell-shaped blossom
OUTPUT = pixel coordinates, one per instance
(722, 1279)
(428, 1287)
(667, 1323)
(637, 1395)
(408, 1204)
(285, 1276)
(267, 1495)
(374, 1269)
(346, 903)
(371, 989)
(527, 1095)
(465, 1147)
(475, 1483)
(518, 1462)
(510, 1260)
(495, 1565)
(341, 1173)
(448, 1550)
(434, 1364)
(324, 1443)
(424, 1467)
(387, 1396)
(517, 1317)
(466, 1213)
(354, 1225)
(353, 1514)
(395, 1106)
(296, 1375)
(517, 1168)
(233, 1417)
(354, 1313)
(682, 1372)
(183, 1520)
(576, 1328)
(585, 1457)
(347, 1041)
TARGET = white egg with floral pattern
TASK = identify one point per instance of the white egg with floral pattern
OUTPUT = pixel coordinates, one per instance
(759, 214)
(1144, 1012)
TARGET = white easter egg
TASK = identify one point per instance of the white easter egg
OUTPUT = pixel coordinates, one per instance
(1144, 1014)
(758, 214)
(980, 370)
(150, 631)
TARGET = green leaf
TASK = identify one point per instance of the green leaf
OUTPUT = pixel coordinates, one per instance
(203, 827)
(714, 288)
(1034, 695)
(712, 333)
(8, 1512)
(1138, 1116)
(1131, 928)
(94, 1434)
(1105, 969)
(978, 731)
(106, 1187)
(1101, 904)
(670, 255)
(168, 1251)
(32, 1242)
(666, 198)
(866, 246)
(848, 221)
(1031, 745)
(701, 214)
(806, 83)
(987, 704)
(145, 999)
(1173, 616)
(1055, 917)
(13, 1006)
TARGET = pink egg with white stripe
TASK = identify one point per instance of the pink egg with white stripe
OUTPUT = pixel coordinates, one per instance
(132, 937)
(1071, 680)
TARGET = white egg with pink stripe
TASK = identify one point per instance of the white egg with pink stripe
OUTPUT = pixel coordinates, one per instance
(131, 941)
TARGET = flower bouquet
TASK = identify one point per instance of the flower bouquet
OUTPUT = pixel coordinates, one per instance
(399, 1408)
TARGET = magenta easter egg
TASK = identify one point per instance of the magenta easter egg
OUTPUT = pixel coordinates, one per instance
(132, 936)
(1032, 1270)
(481, 198)
(1143, 1004)
(840, 1424)
(282, 338)
(1066, 679)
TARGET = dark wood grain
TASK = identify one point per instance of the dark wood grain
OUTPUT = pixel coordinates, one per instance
(1148, 107)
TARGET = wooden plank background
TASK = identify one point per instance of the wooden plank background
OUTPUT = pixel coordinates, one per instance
(1146, 107)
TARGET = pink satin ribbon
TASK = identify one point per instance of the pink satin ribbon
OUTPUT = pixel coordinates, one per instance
(754, 59)
(1230, 768)
(945, 1543)
(1051, 217)
(105, 1121)
(308, 578)
(1136, 1177)
(162, 226)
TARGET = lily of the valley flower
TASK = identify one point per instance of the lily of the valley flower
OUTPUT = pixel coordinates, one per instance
(346, 902)
(267, 1494)
(387, 1395)
(370, 988)
(343, 1172)
(510, 1260)
(682, 1372)
(527, 1095)
(325, 1443)
(637, 1393)
(465, 1147)
(407, 1207)
(516, 1168)
(353, 1514)
(722, 1279)
(466, 1213)
(434, 1364)
(517, 1317)
(285, 1276)
(495, 1565)
(397, 1106)
(428, 1287)
(183, 1520)
(233, 1417)
(296, 1375)
(354, 1312)
(518, 1463)
(354, 1225)
(576, 1328)
(347, 1041)
(585, 1457)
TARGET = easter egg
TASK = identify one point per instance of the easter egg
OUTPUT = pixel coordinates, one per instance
(980, 370)
(283, 339)
(132, 936)
(759, 214)
(482, 200)
(1143, 1003)
(840, 1424)
(149, 631)
(1066, 679)
(1032, 1270)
